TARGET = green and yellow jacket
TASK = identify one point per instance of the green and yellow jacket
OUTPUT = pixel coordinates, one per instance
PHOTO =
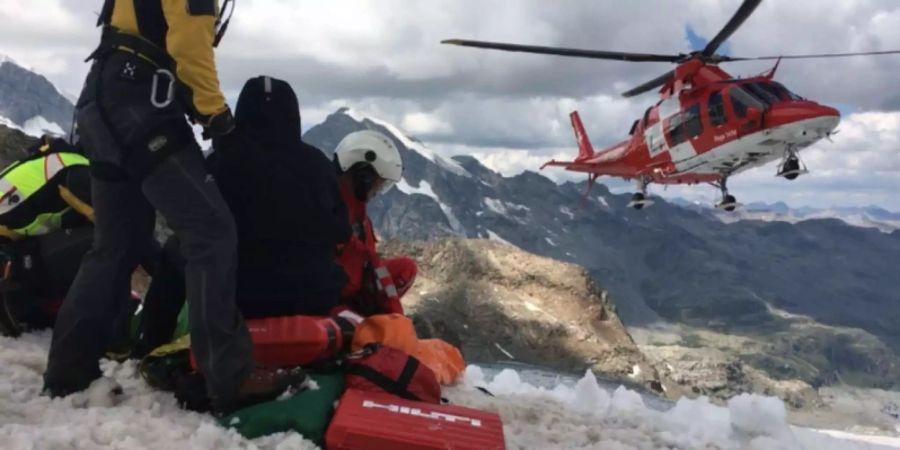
(44, 192)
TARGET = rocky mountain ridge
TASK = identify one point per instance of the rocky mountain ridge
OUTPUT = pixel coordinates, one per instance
(31, 103)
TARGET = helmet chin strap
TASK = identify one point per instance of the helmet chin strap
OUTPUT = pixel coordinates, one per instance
(363, 179)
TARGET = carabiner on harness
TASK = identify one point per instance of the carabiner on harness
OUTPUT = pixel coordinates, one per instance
(170, 88)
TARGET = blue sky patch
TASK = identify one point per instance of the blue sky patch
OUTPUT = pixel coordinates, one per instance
(697, 42)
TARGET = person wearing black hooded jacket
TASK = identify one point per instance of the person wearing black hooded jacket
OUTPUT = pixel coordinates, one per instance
(287, 205)
(286, 202)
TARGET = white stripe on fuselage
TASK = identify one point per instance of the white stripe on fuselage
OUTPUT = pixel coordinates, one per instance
(755, 149)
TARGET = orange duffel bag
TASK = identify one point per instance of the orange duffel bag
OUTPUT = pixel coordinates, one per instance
(397, 331)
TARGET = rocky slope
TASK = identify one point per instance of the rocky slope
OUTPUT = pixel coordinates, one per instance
(499, 303)
(13, 144)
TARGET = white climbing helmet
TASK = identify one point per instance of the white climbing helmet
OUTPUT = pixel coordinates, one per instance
(375, 149)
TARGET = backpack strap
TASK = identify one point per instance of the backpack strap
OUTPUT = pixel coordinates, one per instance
(105, 16)
(348, 329)
(398, 387)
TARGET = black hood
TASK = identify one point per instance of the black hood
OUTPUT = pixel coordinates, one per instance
(269, 112)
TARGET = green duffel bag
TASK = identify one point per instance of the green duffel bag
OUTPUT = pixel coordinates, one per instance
(308, 412)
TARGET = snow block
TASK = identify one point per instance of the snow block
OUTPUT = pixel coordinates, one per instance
(378, 421)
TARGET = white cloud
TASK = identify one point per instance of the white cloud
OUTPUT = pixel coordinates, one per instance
(512, 109)
(419, 123)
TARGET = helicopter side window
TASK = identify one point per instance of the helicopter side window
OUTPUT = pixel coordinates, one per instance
(684, 125)
(693, 127)
(741, 100)
(716, 109)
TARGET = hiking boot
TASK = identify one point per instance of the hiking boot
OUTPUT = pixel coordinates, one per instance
(263, 385)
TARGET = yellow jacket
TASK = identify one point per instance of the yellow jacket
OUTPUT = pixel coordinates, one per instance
(186, 29)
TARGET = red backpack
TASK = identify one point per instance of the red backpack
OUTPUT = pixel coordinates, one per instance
(385, 369)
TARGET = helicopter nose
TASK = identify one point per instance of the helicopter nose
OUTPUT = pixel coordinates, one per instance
(810, 120)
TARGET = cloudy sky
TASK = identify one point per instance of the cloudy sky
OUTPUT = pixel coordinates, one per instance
(510, 110)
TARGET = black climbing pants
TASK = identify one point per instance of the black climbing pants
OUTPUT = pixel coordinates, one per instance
(144, 159)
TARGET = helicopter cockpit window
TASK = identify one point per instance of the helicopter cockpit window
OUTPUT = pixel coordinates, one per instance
(779, 90)
(780, 94)
(741, 100)
(762, 93)
(716, 109)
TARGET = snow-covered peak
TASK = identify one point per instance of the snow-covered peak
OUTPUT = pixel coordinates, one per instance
(410, 143)
(36, 126)
(31, 103)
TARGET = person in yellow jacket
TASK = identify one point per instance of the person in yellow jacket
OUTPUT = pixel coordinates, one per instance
(154, 68)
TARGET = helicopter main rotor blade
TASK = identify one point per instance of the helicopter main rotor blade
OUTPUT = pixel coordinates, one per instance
(821, 55)
(561, 51)
(736, 21)
(652, 84)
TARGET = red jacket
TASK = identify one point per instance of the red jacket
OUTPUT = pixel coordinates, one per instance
(375, 285)
(357, 255)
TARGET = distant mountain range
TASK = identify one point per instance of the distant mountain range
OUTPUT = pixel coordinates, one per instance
(30, 103)
(865, 216)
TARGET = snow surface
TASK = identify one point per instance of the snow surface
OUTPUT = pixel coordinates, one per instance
(582, 415)
(455, 224)
(603, 201)
(424, 188)
(39, 126)
(503, 208)
(568, 212)
(416, 146)
(36, 126)
(496, 237)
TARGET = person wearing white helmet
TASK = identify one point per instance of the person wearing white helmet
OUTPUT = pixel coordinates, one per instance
(369, 164)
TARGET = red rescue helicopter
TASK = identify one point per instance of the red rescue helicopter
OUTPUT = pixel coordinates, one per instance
(707, 125)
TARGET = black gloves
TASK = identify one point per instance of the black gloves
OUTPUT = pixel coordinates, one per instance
(217, 125)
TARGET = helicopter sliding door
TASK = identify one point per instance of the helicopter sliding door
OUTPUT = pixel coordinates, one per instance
(681, 130)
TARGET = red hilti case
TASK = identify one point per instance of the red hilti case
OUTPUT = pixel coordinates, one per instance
(378, 421)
